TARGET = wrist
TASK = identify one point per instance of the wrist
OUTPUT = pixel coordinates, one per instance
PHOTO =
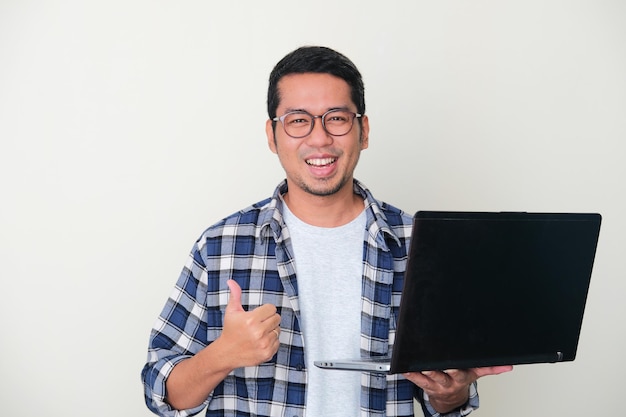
(448, 404)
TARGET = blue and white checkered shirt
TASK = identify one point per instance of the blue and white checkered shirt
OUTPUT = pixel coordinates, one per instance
(253, 247)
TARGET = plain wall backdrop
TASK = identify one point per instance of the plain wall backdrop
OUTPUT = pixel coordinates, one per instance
(127, 127)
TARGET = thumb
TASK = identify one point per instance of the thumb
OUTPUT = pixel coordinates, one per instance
(234, 302)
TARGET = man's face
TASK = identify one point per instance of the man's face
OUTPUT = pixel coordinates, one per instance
(318, 164)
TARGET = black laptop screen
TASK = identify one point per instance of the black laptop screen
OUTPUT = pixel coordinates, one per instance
(484, 289)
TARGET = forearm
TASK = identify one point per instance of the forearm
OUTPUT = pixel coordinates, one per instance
(192, 381)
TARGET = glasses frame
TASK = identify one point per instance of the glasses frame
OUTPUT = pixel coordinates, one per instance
(322, 117)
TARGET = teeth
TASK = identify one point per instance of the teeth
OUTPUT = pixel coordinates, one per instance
(320, 162)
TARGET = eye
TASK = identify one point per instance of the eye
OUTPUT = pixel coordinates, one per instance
(297, 119)
(338, 117)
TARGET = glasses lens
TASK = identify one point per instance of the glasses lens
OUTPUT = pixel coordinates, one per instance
(338, 122)
(298, 125)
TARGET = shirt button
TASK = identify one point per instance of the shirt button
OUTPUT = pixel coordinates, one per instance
(299, 367)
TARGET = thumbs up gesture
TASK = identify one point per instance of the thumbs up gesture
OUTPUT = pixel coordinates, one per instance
(252, 336)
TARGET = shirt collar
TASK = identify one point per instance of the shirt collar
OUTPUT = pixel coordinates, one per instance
(272, 223)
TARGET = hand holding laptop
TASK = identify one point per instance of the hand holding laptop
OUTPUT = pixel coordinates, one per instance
(450, 389)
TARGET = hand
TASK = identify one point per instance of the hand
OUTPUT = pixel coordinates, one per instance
(449, 389)
(253, 336)
(248, 339)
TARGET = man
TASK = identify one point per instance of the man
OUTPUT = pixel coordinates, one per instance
(316, 270)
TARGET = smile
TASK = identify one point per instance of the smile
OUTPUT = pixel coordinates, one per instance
(320, 162)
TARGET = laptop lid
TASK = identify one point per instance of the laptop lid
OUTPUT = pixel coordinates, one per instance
(486, 289)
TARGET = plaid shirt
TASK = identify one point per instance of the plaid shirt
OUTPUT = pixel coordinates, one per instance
(253, 247)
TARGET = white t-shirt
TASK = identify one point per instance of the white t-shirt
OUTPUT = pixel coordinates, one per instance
(329, 267)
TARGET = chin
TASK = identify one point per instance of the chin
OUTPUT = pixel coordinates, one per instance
(324, 190)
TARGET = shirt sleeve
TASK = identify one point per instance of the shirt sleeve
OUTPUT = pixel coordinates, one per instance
(154, 377)
(179, 332)
(471, 404)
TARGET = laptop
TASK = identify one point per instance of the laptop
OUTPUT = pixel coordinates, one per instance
(488, 289)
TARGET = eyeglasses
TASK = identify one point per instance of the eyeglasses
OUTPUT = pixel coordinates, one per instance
(300, 123)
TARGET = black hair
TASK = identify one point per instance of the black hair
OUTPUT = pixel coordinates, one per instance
(321, 60)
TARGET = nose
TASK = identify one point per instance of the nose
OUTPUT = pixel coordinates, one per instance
(319, 136)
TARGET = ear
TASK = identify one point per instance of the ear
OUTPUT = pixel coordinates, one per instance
(269, 132)
(365, 132)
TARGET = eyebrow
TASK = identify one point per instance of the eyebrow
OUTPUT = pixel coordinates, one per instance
(344, 108)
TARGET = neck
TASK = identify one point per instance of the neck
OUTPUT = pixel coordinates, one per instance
(324, 211)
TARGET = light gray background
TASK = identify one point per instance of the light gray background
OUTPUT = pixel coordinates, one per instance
(127, 127)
